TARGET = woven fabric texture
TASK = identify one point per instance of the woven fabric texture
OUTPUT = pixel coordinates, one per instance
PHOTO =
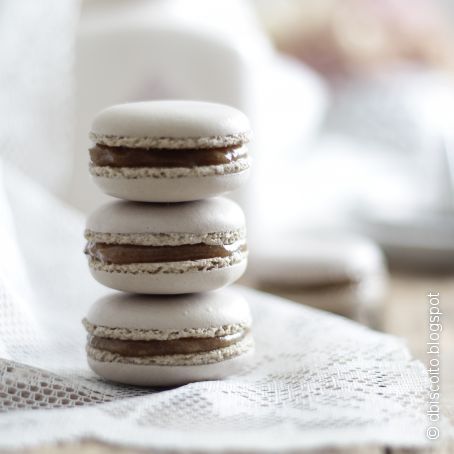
(316, 379)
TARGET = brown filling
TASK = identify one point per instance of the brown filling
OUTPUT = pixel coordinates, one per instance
(123, 254)
(166, 347)
(308, 287)
(102, 155)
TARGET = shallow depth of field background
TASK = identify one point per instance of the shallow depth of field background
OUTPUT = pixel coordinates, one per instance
(351, 102)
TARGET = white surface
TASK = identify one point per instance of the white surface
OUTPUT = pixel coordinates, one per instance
(169, 119)
(172, 282)
(203, 310)
(203, 216)
(149, 189)
(303, 388)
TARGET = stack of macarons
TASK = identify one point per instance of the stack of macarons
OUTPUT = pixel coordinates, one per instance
(172, 243)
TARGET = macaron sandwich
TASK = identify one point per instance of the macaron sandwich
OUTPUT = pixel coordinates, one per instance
(176, 324)
(167, 249)
(167, 340)
(169, 151)
(333, 271)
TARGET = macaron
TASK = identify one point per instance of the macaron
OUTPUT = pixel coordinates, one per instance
(169, 151)
(168, 340)
(167, 248)
(334, 271)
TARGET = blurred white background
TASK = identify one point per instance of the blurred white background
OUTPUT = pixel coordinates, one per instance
(351, 103)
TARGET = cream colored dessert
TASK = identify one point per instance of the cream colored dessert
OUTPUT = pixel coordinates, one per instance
(167, 248)
(166, 340)
(169, 151)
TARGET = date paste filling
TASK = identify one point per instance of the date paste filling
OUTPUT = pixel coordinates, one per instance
(102, 155)
(124, 254)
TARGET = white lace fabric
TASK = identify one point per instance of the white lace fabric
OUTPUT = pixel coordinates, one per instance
(316, 379)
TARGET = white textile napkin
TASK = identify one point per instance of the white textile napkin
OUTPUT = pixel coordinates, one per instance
(316, 379)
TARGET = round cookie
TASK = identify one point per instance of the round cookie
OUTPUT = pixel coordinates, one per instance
(334, 271)
(169, 151)
(167, 248)
(168, 340)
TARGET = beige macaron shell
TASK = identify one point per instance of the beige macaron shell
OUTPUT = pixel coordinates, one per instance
(176, 313)
(150, 189)
(170, 119)
(152, 375)
(171, 283)
(203, 216)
